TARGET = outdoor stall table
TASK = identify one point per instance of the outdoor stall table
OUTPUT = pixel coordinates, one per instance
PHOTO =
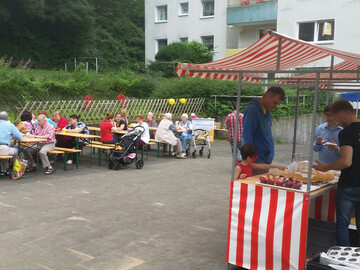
(78, 136)
(29, 142)
(268, 225)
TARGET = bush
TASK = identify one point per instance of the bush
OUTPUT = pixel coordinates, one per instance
(168, 56)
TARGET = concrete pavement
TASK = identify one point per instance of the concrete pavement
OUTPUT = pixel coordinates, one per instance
(172, 214)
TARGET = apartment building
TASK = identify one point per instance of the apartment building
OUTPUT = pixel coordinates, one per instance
(168, 21)
(330, 23)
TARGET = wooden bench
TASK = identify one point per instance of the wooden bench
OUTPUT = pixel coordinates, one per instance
(163, 143)
(5, 157)
(69, 151)
(55, 153)
(3, 160)
(101, 148)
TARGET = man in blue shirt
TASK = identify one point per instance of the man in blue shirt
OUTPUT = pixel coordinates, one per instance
(326, 140)
(257, 124)
(7, 130)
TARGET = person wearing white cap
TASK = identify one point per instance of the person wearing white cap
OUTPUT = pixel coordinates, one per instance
(165, 133)
(187, 133)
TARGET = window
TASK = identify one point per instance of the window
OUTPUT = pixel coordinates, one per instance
(319, 31)
(161, 13)
(161, 43)
(184, 8)
(208, 41)
(208, 8)
(184, 39)
(264, 31)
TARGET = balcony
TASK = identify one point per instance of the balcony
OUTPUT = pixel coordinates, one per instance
(251, 11)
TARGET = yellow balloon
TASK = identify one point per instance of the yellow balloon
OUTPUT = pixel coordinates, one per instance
(171, 101)
(182, 101)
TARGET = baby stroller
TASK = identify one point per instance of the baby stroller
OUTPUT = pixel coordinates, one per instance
(200, 139)
(125, 150)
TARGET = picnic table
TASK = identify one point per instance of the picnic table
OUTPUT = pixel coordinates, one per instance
(77, 136)
(29, 142)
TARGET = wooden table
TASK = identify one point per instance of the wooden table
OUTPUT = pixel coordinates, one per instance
(28, 142)
(94, 129)
(268, 226)
(77, 136)
(120, 132)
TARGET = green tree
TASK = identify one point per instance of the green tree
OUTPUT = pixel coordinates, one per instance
(51, 32)
(168, 56)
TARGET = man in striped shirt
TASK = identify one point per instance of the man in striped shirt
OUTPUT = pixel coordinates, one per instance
(230, 125)
(44, 130)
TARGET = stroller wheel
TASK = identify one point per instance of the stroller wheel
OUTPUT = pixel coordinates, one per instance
(201, 153)
(209, 154)
(187, 151)
(111, 165)
(117, 166)
(139, 164)
(194, 154)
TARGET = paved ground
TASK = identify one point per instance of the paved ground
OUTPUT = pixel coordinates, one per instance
(172, 214)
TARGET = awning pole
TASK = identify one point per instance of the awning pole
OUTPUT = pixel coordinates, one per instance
(311, 150)
(295, 124)
(278, 58)
(236, 128)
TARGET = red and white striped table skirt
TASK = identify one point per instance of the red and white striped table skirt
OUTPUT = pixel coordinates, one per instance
(267, 227)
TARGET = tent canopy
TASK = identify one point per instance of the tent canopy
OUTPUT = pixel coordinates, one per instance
(278, 53)
(351, 96)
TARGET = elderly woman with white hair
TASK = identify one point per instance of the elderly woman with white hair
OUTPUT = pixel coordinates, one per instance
(151, 123)
(165, 133)
(187, 133)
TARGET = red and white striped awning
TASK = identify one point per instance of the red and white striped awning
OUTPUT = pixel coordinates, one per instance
(326, 78)
(273, 52)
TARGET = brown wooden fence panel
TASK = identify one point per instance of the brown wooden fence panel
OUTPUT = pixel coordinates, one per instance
(93, 112)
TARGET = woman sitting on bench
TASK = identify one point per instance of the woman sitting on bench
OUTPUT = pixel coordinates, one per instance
(106, 127)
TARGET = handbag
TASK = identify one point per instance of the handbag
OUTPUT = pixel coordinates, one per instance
(18, 168)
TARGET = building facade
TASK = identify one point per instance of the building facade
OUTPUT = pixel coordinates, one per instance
(329, 23)
(168, 21)
(228, 26)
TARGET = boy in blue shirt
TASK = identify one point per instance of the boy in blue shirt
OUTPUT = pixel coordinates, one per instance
(326, 139)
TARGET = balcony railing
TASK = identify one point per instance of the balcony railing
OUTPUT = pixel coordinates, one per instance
(247, 2)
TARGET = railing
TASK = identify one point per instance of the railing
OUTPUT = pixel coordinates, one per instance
(93, 111)
(247, 2)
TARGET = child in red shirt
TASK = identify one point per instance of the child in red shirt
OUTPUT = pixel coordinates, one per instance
(245, 167)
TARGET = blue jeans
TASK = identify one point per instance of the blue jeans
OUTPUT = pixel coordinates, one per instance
(111, 142)
(347, 199)
(183, 140)
(239, 158)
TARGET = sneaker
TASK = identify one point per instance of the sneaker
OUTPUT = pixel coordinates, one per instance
(184, 154)
(69, 162)
(180, 156)
(49, 170)
(173, 153)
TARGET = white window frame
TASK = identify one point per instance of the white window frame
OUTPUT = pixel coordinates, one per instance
(205, 37)
(181, 9)
(202, 9)
(157, 44)
(316, 31)
(158, 10)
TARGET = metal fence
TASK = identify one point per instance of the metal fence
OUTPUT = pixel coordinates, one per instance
(93, 111)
